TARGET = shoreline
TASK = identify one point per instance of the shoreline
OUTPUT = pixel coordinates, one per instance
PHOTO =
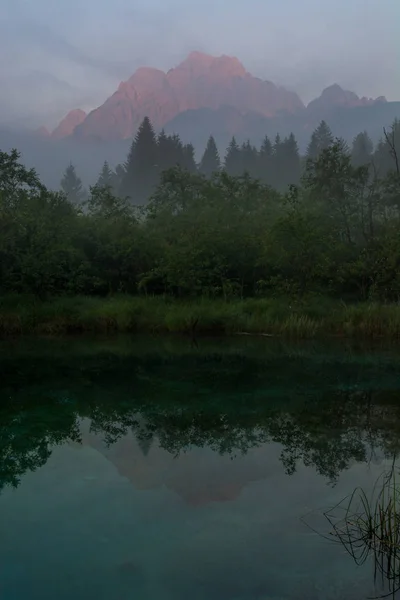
(311, 318)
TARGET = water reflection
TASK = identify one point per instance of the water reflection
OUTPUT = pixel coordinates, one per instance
(151, 468)
(367, 524)
(326, 410)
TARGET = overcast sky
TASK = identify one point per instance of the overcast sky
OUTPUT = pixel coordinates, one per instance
(56, 55)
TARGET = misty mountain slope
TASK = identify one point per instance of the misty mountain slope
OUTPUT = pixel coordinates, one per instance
(196, 125)
(204, 95)
(50, 157)
(348, 122)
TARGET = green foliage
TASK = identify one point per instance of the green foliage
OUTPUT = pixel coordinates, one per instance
(16, 182)
(211, 234)
(283, 316)
(140, 386)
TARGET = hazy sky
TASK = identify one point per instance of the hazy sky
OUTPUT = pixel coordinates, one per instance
(56, 55)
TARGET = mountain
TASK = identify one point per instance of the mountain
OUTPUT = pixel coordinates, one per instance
(51, 156)
(345, 120)
(203, 95)
(206, 94)
(334, 96)
(200, 81)
(223, 123)
(196, 478)
(69, 123)
(42, 132)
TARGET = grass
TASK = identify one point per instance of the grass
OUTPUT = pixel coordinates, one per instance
(316, 316)
(370, 526)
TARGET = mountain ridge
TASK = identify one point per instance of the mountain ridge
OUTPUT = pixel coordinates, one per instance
(200, 81)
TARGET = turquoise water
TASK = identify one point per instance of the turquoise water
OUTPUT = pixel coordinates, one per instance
(158, 469)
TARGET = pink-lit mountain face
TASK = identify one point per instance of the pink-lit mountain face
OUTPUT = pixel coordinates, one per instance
(200, 81)
(68, 125)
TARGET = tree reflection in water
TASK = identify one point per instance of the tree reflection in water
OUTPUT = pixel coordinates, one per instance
(326, 410)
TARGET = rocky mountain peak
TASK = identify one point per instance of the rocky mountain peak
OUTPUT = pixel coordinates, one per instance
(69, 123)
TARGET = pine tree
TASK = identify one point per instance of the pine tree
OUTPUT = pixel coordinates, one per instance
(249, 156)
(71, 185)
(105, 179)
(265, 161)
(163, 152)
(290, 161)
(321, 139)
(233, 159)
(172, 153)
(277, 164)
(210, 162)
(362, 149)
(176, 151)
(129, 172)
(189, 161)
(142, 168)
(118, 177)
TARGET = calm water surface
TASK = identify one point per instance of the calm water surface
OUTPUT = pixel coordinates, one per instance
(154, 469)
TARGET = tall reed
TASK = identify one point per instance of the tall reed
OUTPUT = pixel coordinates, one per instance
(369, 526)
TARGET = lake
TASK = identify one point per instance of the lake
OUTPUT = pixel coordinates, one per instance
(158, 468)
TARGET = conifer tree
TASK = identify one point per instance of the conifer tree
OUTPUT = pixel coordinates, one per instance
(105, 179)
(176, 150)
(172, 153)
(233, 159)
(189, 161)
(210, 162)
(265, 161)
(290, 161)
(129, 172)
(277, 164)
(361, 152)
(321, 139)
(249, 156)
(163, 148)
(142, 165)
(72, 186)
(118, 176)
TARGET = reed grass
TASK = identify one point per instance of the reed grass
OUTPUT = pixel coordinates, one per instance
(310, 318)
(370, 526)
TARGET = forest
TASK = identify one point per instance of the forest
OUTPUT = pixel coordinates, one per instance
(266, 227)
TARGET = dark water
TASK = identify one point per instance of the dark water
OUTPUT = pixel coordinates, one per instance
(154, 469)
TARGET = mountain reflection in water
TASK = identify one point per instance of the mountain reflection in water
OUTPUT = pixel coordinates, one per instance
(151, 468)
(142, 404)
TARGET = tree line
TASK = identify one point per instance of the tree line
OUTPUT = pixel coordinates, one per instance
(211, 232)
(277, 162)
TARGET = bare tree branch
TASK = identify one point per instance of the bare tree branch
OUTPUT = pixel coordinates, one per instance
(392, 146)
